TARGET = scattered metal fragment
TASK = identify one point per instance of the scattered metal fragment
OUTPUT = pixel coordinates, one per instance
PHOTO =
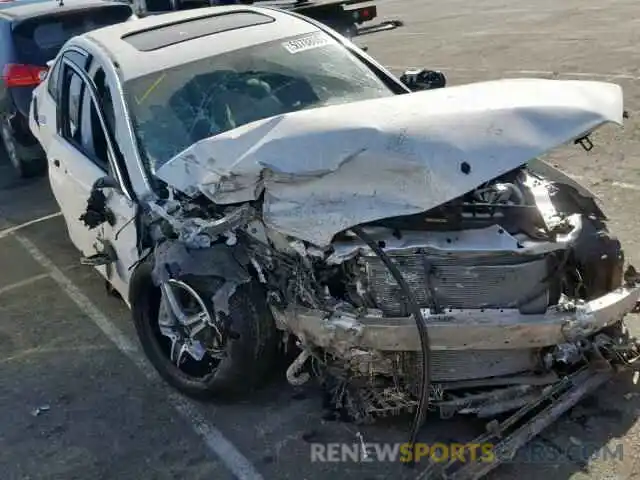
(40, 410)
(293, 372)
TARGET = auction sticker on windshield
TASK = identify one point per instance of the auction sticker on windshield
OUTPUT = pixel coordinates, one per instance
(308, 42)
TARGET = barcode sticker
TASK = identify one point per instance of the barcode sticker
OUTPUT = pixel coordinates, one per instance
(314, 40)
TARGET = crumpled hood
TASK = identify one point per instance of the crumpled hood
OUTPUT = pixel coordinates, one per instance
(327, 169)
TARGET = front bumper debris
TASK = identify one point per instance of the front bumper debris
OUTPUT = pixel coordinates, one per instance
(460, 329)
(533, 405)
(509, 436)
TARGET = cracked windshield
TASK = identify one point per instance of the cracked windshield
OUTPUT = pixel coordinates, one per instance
(176, 107)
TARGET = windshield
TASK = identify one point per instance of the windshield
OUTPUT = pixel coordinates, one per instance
(174, 108)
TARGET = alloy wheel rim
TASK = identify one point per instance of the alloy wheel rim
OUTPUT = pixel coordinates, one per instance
(194, 335)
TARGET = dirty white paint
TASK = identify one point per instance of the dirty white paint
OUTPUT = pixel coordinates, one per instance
(227, 453)
(324, 170)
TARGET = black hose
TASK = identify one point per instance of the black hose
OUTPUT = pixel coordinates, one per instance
(425, 384)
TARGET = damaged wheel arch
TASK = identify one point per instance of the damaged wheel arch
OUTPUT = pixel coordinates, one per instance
(251, 340)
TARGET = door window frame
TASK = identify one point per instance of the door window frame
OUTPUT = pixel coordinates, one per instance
(118, 170)
(53, 77)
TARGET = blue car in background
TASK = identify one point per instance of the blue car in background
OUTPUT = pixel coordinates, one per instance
(31, 34)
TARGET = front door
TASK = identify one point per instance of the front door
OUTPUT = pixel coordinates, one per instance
(81, 152)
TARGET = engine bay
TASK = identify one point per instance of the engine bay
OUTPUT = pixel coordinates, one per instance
(514, 255)
(517, 242)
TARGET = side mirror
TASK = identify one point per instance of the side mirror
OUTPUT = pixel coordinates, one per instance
(423, 79)
(106, 182)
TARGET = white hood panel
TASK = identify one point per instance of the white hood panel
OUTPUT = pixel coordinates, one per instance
(327, 169)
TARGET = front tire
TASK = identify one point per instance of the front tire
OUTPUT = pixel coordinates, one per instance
(249, 352)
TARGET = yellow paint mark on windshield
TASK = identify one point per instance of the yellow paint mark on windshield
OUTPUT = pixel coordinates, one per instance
(150, 89)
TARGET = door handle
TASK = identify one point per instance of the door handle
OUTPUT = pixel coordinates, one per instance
(56, 163)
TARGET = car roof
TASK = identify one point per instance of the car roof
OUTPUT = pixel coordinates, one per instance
(19, 10)
(134, 62)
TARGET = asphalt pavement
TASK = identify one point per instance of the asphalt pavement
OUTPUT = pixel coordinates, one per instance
(78, 400)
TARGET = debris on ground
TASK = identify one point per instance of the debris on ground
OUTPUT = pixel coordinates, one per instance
(40, 410)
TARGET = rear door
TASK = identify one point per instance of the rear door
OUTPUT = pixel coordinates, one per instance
(38, 40)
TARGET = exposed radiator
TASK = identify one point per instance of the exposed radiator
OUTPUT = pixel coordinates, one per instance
(478, 282)
(470, 364)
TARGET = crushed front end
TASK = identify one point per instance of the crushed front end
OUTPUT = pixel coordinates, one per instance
(519, 283)
(416, 264)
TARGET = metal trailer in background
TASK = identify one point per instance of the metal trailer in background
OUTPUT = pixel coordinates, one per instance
(344, 16)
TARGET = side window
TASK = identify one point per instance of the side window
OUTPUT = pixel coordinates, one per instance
(105, 102)
(52, 79)
(71, 105)
(80, 121)
(104, 97)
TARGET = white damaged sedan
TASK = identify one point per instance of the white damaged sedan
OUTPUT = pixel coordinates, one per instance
(246, 179)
